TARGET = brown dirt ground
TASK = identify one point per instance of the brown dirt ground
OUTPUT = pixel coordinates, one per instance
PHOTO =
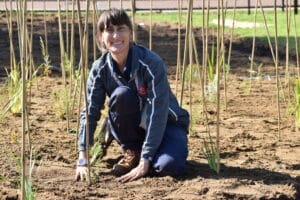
(255, 163)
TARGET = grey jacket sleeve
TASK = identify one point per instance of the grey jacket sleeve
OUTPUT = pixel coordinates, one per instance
(157, 107)
(95, 100)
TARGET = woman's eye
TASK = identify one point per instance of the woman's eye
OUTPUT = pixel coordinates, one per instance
(110, 30)
(121, 29)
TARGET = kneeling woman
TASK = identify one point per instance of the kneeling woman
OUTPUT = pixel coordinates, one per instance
(144, 115)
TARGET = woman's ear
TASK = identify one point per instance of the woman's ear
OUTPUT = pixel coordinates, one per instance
(99, 37)
(100, 42)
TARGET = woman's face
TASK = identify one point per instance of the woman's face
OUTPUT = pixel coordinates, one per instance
(116, 39)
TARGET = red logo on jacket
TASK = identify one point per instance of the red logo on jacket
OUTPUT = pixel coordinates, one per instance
(142, 90)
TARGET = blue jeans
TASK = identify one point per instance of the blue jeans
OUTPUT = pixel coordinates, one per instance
(124, 119)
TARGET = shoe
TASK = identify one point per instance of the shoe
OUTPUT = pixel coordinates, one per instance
(130, 160)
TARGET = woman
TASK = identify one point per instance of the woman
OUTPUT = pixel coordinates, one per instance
(144, 115)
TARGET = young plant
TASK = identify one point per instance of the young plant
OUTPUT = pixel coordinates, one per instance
(13, 86)
(102, 139)
(192, 69)
(29, 192)
(60, 98)
(211, 87)
(46, 58)
(210, 153)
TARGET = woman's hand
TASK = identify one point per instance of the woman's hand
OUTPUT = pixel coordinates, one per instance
(138, 172)
(81, 173)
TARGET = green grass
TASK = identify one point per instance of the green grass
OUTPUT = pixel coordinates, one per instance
(241, 16)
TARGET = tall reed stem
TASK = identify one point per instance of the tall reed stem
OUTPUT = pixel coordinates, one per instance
(253, 44)
(23, 47)
(276, 68)
(150, 26)
(186, 49)
(178, 66)
(84, 59)
(218, 86)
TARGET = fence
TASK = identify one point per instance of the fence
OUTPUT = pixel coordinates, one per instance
(51, 5)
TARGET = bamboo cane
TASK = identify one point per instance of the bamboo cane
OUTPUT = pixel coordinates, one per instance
(218, 87)
(94, 29)
(61, 44)
(134, 36)
(268, 32)
(253, 44)
(204, 56)
(178, 66)
(62, 62)
(205, 21)
(30, 59)
(287, 47)
(11, 45)
(296, 45)
(276, 68)
(80, 65)
(191, 63)
(222, 51)
(206, 40)
(150, 26)
(186, 44)
(45, 28)
(19, 24)
(85, 36)
(67, 26)
(23, 9)
(72, 55)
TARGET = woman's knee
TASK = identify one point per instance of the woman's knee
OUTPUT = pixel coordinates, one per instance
(124, 100)
(168, 165)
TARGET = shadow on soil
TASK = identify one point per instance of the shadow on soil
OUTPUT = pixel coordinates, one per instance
(196, 169)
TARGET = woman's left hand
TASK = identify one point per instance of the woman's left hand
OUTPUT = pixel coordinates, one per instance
(138, 172)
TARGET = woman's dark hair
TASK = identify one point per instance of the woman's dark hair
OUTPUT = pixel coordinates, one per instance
(113, 17)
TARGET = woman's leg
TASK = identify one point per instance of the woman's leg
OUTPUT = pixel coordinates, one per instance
(171, 156)
(124, 118)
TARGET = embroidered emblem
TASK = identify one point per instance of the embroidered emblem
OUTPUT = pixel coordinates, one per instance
(142, 90)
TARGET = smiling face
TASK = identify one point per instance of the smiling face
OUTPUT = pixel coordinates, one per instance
(116, 39)
(115, 32)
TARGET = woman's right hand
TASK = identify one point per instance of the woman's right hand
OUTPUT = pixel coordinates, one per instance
(81, 173)
(82, 170)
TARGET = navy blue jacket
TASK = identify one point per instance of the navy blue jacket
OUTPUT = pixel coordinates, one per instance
(148, 76)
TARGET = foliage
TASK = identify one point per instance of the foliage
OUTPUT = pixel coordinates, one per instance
(211, 64)
(97, 151)
(196, 116)
(60, 99)
(29, 192)
(13, 86)
(210, 90)
(67, 64)
(209, 151)
(297, 98)
(46, 58)
(195, 73)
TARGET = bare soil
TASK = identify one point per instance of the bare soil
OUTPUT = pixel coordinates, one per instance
(256, 161)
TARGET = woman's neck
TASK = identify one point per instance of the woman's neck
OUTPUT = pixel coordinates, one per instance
(120, 59)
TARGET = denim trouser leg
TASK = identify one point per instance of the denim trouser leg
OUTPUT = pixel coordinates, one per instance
(124, 118)
(171, 156)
